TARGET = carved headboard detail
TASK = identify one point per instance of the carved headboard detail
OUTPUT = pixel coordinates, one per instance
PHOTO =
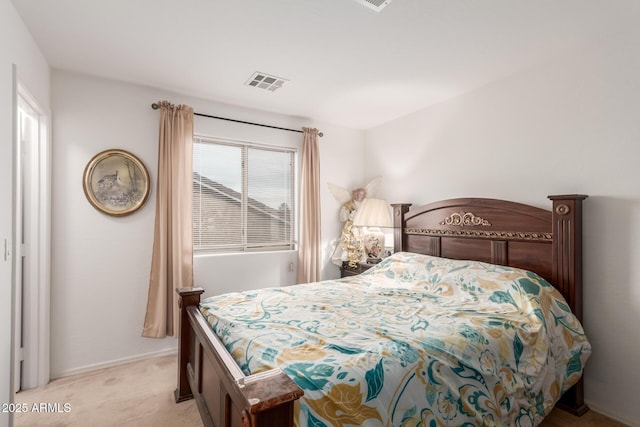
(464, 218)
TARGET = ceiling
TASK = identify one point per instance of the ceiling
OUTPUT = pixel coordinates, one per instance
(345, 63)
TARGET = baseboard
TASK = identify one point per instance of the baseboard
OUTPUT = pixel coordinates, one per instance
(616, 417)
(116, 362)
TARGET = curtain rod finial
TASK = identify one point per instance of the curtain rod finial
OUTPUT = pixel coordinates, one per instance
(155, 106)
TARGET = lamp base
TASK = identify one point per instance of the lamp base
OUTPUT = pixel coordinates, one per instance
(373, 242)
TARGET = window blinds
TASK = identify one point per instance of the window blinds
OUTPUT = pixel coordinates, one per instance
(243, 197)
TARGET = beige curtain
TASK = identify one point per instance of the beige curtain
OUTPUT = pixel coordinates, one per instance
(172, 261)
(309, 250)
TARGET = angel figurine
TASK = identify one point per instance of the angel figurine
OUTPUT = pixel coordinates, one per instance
(350, 247)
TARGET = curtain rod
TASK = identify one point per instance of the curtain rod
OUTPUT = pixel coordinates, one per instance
(320, 134)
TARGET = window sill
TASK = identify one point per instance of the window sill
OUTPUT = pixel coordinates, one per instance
(244, 253)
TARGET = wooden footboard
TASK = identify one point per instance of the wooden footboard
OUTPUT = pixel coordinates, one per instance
(224, 395)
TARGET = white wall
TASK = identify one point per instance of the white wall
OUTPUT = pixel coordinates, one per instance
(570, 126)
(16, 47)
(100, 264)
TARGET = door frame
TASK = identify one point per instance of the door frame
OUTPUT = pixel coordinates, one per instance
(36, 327)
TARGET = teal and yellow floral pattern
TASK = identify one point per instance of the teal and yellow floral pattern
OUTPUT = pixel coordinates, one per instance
(414, 341)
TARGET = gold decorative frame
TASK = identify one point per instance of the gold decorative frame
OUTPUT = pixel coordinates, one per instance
(116, 182)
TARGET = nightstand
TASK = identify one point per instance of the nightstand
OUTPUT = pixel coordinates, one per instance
(346, 271)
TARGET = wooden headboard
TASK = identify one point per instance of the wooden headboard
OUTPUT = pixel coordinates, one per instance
(547, 242)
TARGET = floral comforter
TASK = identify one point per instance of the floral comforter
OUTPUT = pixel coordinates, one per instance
(414, 341)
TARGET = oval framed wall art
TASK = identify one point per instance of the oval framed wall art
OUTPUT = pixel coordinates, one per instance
(116, 182)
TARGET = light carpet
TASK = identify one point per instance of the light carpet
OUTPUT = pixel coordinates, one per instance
(134, 394)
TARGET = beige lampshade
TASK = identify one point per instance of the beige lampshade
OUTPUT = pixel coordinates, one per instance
(373, 213)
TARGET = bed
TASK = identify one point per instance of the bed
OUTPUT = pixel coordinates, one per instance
(461, 325)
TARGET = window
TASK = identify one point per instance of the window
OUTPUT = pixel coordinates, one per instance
(243, 196)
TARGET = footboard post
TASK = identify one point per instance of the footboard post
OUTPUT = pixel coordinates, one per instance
(186, 347)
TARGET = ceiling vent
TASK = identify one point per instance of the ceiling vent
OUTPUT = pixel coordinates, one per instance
(376, 5)
(265, 81)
